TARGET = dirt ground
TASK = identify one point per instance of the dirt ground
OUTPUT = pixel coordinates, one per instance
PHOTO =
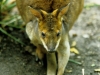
(14, 60)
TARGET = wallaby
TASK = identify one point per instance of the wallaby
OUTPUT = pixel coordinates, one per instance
(47, 25)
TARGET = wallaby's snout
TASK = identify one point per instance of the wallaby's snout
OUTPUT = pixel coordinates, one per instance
(51, 46)
(51, 40)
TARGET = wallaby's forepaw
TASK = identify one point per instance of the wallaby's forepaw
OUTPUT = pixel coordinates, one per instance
(39, 61)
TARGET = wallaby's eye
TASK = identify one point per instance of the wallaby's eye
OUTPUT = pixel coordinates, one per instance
(58, 34)
(43, 34)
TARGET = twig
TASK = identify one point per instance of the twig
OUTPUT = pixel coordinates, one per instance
(83, 71)
(76, 62)
(98, 73)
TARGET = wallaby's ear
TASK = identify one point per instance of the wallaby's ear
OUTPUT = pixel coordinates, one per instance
(44, 12)
(35, 12)
(63, 11)
(55, 13)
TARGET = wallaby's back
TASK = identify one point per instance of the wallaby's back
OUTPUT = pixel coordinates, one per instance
(49, 5)
(46, 5)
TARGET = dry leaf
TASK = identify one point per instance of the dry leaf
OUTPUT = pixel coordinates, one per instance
(74, 35)
(69, 71)
(97, 70)
(74, 50)
(73, 43)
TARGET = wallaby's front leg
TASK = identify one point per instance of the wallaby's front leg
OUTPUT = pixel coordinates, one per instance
(40, 51)
(63, 57)
(51, 64)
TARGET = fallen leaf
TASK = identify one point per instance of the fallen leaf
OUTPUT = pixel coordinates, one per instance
(97, 70)
(69, 71)
(74, 35)
(86, 36)
(93, 65)
(73, 43)
(74, 50)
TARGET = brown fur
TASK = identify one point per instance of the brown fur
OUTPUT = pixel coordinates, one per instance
(46, 5)
(45, 19)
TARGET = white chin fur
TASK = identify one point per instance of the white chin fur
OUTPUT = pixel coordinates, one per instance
(44, 45)
(57, 44)
(47, 47)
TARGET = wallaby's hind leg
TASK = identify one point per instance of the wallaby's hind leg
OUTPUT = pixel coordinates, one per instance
(51, 64)
(63, 57)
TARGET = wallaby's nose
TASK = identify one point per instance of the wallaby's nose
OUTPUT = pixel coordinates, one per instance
(51, 50)
(51, 46)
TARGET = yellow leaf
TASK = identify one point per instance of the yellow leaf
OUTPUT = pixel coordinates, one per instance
(69, 71)
(74, 50)
(97, 70)
(73, 43)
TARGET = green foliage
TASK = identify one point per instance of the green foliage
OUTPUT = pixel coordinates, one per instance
(91, 5)
(8, 19)
(5, 6)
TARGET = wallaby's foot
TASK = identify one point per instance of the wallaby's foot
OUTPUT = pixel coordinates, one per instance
(36, 59)
(39, 61)
(40, 52)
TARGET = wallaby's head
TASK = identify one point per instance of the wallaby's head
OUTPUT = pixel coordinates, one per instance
(50, 27)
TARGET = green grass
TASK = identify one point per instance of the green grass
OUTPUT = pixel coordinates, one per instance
(8, 20)
(88, 6)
